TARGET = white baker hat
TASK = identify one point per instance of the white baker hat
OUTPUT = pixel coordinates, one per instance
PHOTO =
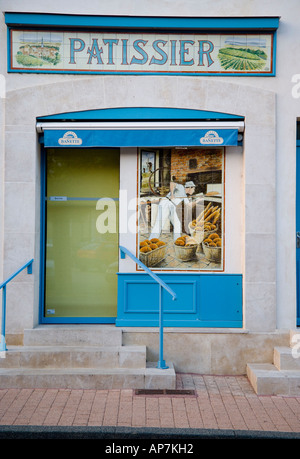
(189, 184)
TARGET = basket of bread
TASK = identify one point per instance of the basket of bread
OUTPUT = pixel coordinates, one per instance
(212, 247)
(185, 248)
(152, 251)
(206, 223)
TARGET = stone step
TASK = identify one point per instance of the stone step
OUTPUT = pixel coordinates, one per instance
(294, 336)
(89, 378)
(73, 335)
(80, 356)
(286, 358)
(266, 379)
(295, 341)
(74, 357)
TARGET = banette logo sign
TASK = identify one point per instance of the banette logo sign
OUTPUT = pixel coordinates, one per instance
(211, 138)
(70, 138)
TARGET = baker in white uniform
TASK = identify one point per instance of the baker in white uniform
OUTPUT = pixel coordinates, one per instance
(167, 208)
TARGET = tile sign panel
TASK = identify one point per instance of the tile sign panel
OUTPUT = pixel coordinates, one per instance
(141, 53)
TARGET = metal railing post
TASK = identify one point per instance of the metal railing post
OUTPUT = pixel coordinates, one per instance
(161, 363)
(28, 265)
(3, 320)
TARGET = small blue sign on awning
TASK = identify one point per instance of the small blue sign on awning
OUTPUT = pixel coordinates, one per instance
(140, 137)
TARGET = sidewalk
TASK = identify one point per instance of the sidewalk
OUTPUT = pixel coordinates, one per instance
(221, 403)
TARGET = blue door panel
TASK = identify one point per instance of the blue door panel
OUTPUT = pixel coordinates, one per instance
(203, 300)
(143, 297)
(220, 298)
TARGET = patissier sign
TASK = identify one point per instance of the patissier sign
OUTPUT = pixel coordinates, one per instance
(107, 52)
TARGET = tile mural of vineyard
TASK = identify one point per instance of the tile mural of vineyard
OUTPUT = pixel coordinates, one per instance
(119, 52)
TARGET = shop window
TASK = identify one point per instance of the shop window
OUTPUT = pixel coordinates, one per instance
(181, 208)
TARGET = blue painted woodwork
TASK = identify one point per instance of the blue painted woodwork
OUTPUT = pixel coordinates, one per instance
(141, 114)
(140, 22)
(90, 138)
(203, 300)
(124, 251)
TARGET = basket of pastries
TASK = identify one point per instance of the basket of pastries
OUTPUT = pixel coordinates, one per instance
(185, 248)
(152, 251)
(212, 247)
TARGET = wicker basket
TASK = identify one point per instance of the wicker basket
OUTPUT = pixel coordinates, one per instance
(183, 253)
(202, 234)
(212, 253)
(154, 257)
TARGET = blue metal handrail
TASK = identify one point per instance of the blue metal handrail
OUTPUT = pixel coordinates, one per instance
(161, 363)
(27, 265)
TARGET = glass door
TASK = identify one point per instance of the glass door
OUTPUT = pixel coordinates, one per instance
(81, 254)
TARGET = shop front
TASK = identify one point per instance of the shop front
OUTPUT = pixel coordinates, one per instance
(161, 136)
(174, 221)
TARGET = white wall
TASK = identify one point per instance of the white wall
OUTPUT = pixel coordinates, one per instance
(2, 146)
(258, 236)
(269, 155)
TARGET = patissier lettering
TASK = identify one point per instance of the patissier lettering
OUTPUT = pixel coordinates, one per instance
(142, 52)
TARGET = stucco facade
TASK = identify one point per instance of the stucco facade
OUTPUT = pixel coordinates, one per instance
(260, 237)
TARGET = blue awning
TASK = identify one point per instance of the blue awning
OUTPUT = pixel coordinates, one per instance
(83, 138)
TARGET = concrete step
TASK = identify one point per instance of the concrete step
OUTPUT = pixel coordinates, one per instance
(89, 378)
(80, 356)
(286, 358)
(294, 337)
(73, 335)
(266, 379)
(74, 357)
